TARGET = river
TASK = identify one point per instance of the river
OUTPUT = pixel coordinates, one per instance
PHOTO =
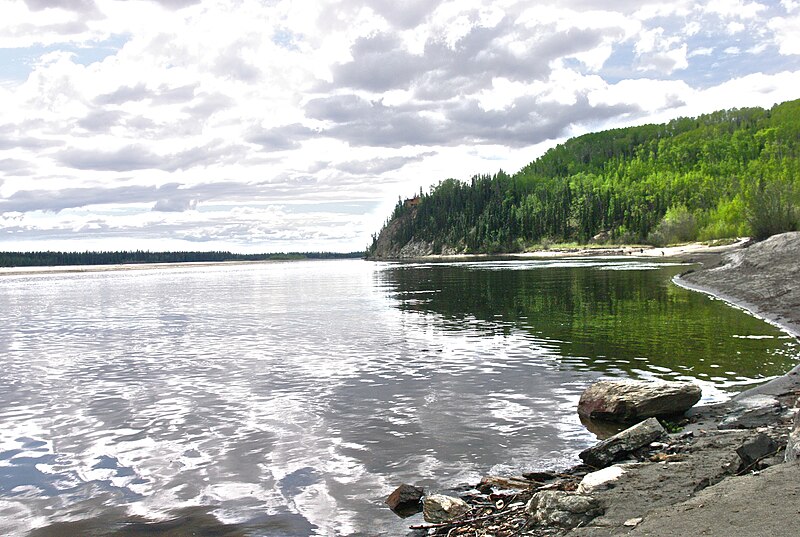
(290, 398)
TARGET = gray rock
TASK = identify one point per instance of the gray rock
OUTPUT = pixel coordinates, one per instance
(793, 443)
(405, 498)
(632, 438)
(438, 508)
(756, 449)
(563, 509)
(751, 412)
(634, 400)
(415, 248)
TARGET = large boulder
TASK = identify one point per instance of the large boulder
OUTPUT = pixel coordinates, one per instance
(619, 445)
(563, 509)
(438, 508)
(629, 401)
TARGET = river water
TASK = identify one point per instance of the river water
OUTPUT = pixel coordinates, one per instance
(289, 398)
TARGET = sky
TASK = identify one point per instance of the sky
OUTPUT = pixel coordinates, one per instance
(269, 126)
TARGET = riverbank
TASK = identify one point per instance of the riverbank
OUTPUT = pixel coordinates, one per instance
(683, 251)
(724, 473)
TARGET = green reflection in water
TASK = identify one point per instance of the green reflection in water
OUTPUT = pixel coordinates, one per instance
(611, 316)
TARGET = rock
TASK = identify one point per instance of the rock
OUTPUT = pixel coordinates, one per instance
(611, 449)
(415, 248)
(602, 237)
(563, 509)
(405, 499)
(438, 508)
(755, 449)
(632, 522)
(751, 412)
(601, 478)
(634, 400)
(540, 477)
(793, 443)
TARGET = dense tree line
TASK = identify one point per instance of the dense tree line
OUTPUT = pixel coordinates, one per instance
(726, 174)
(30, 259)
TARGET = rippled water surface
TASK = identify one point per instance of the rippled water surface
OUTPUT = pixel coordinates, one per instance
(291, 398)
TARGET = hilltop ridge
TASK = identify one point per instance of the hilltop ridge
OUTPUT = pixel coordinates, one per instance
(725, 174)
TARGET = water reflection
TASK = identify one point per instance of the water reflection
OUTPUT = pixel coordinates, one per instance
(292, 398)
(612, 316)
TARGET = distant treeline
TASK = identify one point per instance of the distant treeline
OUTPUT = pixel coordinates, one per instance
(726, 174)
(55, 259)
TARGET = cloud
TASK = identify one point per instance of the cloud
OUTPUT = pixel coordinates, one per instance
(58, 200)
(786, 34)
(78, 6)
(527, 121)
(176, 4)
(16, 167)
(124, 94)
(100, 120)
(138, 157)
(140, 119)
(164, 95)
(382, 62)
(175, 205)
(380, 166)
(280, 138)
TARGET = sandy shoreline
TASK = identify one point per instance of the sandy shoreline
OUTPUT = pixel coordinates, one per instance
(683, 251)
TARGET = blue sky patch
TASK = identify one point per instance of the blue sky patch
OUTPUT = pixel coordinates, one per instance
(16, 64)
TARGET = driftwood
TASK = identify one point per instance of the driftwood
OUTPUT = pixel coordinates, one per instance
(464, 522)
(507, 482)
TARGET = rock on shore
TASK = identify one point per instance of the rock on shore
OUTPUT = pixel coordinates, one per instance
(629, 401)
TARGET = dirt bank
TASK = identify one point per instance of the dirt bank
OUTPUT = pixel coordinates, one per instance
(763, 278)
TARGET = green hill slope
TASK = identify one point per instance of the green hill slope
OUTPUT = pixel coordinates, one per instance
(725, 174)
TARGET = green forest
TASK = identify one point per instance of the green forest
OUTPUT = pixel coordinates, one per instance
(56, 259)
(726, 174)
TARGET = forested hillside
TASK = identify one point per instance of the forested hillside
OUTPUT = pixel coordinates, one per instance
(726, 174)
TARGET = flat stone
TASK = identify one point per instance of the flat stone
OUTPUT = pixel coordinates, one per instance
(563, 509)
(751, 412)
(438, 508)
(631, 439)
(632, 522)
(629, 401)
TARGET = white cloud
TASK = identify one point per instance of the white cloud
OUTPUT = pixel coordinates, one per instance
(735, 27)
(704, 51)
(735, 8)
(787, 34)
(790, 5)
(258, 125)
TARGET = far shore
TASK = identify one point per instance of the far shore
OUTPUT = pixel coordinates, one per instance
(69, 269)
